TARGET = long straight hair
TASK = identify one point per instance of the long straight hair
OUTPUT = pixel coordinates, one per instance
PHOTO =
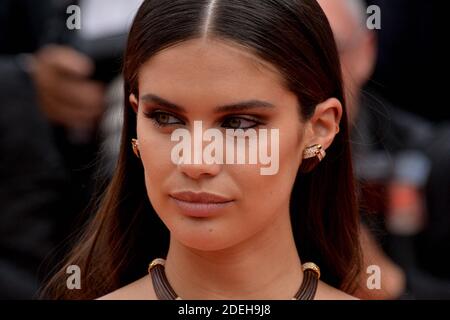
(296, 38)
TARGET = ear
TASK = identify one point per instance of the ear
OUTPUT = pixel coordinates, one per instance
(134, 102)
(323, 126)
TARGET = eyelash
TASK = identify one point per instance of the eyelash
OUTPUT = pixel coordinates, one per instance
(153, 115)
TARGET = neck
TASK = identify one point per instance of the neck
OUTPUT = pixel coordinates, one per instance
(266, 266)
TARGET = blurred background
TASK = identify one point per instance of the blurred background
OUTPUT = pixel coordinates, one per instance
(60, 121)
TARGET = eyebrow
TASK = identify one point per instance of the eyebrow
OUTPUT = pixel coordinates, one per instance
(240, 106)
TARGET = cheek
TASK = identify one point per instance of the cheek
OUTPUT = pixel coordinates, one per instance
(155, 149)
(266, 194)
(280, 185)
(290, 151)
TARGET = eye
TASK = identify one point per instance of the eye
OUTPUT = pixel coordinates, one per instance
(239, 123)
(163, 119)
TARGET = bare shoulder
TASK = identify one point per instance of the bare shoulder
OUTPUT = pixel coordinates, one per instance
(327, 292)
(141, 289)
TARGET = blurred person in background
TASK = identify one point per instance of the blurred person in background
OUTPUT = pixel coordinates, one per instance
(412, 57)
(32, 175)
(52, 97)
(411, 65)
(395, 149)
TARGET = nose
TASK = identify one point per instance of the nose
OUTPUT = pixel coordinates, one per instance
(198, 171)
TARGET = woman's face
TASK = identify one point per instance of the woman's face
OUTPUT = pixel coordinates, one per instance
(224, 87)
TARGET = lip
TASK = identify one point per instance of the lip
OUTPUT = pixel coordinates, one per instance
(200, 205)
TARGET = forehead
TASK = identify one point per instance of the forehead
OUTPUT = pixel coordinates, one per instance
(209, 67)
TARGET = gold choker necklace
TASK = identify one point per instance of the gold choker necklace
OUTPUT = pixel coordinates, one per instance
(164, 291)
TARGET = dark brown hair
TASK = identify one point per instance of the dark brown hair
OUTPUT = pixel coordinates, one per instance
(296, 38)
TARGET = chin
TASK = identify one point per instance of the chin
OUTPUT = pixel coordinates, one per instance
(205, 238)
